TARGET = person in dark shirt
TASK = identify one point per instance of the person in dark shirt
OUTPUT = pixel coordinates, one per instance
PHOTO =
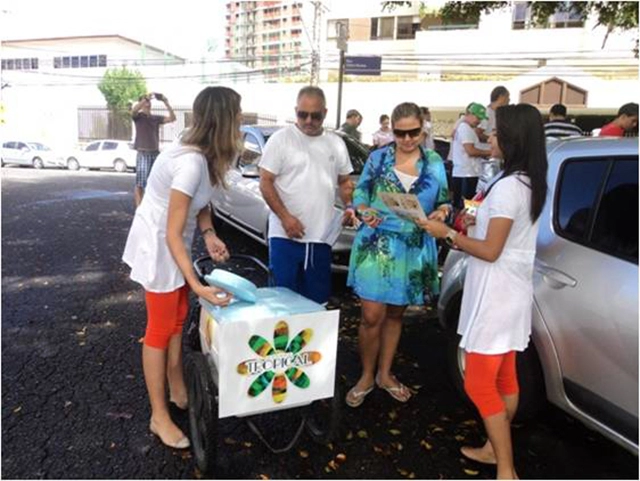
(147, 139)
(350, 127)
(626, 121)
(558, 126)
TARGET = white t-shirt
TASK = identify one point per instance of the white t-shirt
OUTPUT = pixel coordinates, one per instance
(464, 165)
(495, 316)
(306, 170)
(146, 252)
(488, 126)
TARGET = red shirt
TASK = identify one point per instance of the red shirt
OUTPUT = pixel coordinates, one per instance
(611, 130)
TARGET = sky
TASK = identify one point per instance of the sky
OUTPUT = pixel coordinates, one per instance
(183, 27)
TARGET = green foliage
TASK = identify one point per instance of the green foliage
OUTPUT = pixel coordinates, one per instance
(121, 87)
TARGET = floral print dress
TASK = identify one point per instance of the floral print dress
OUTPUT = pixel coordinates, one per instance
(397, 262)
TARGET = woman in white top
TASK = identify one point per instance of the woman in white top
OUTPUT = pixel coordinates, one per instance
(384, 135)
(158, 248)
(495, 317)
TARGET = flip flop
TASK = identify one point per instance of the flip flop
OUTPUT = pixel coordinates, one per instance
(355, 398)
(396, 392)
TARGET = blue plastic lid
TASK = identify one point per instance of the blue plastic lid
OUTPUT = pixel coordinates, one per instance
(238, 286)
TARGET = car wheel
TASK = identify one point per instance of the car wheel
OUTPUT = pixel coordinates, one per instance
(73, 164)
(120, 165)
(530, 376)
(38, 163)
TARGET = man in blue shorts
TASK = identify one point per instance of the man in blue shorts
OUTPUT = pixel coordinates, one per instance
(147, 138)
(300, 169)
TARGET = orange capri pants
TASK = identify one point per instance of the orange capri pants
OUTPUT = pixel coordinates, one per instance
(488, 378)
(166, 313)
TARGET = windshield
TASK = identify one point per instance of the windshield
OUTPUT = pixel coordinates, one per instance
(38, 146)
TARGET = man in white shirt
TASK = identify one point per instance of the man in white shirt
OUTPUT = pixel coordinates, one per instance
(300, 169)
(466, 155)
(499, 96)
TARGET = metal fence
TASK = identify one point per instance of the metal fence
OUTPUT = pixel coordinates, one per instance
(95, 123)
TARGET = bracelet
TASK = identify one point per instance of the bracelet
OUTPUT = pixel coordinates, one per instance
(207, 230)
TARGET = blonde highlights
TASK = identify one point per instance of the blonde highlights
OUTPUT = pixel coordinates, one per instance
(216, 130)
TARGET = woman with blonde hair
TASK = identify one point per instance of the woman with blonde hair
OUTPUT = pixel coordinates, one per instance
(158, 247)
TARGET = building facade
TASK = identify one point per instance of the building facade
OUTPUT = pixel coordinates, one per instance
(270, 38)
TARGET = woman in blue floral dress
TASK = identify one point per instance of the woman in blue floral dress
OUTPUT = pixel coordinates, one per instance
(393, 262)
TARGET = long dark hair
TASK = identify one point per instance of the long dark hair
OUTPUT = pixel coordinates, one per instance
(521, 139)
(216, 129)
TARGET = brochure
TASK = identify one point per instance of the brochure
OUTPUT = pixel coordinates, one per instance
(404, 205)
(333, 230)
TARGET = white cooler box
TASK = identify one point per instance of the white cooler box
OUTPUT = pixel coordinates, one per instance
(276, 353)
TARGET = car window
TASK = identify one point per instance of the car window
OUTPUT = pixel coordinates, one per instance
(580, 182)
(251, 152)
(357, 153)
(109, 145)
(9, 145)
(597, 205)
(615, 230)
(20, 145)
(92, 147)
(38, 146)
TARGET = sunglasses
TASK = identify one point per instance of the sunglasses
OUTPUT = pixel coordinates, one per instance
(302, 115)
(413, 133)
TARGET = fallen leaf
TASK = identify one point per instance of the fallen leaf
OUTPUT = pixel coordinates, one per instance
(229, 441)
(437, 429)
(470, 422)
(377, 449)
(247, 444)
(330, 446)
(412, 475)
(403, 472)
(459, 437)
(17, 410)
(122, 415)
(362, 434)
(395, 432)
(67, 404)
(112, 445)
(349, 435)
(393, 415)
(264, 476)
(341, 458)
(304, 454)
(333, 465)
(471, 472)
(426, 445)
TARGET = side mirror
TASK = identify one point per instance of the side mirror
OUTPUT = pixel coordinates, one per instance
(25, 149)
(250, 171)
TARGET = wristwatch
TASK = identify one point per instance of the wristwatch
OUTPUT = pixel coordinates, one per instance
(450, 238)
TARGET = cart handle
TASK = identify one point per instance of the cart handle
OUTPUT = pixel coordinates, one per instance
(200, 260)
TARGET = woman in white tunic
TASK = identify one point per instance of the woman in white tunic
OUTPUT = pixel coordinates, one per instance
(495, 317)
(159, 245)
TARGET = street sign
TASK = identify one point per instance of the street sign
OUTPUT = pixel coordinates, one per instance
(363, 65)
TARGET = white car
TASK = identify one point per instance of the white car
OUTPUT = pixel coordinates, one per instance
(104, 154)
(33, 154)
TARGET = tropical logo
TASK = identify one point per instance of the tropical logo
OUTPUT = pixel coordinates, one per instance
(278, 362)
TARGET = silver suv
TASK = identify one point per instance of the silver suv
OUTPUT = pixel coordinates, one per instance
(584, 350)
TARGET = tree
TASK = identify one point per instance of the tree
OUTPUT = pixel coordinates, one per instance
(612, 15)
(120, 88)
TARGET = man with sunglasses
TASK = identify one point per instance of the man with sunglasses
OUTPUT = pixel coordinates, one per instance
(300, 169)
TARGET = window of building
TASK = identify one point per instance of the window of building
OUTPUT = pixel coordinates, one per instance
(564, 17)
(383, 28)
(597, 205)
(405, 28)
(20, 64)
(84, 61)
(75, 62)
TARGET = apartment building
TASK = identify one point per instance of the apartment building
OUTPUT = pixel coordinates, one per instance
(270, 38)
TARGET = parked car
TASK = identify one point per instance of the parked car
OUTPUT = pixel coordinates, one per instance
(584, 350)
(104, 154)
(33, 154)
(242, 206)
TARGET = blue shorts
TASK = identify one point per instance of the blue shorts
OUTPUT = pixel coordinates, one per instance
(144, 163)
(304, 268)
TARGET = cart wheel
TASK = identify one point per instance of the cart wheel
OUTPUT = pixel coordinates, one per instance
(323, 417)
(203, 411)
(192, 332)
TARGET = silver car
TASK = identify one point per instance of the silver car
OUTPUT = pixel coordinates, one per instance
(33, 154)
(242, 206)
(584, 353)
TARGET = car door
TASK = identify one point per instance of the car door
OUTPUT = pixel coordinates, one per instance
(22, 153)
(90, 156)
(242, 203)
(108, 154)
(586, 286)
(9, 152)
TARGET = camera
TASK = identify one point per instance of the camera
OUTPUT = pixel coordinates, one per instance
(158, 96)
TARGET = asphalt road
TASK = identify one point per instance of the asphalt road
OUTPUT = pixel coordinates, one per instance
(73, 398)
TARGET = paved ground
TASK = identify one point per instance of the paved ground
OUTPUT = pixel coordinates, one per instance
(73, 397)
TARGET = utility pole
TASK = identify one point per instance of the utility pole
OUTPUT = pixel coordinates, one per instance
(343, 35)
(315, 55)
